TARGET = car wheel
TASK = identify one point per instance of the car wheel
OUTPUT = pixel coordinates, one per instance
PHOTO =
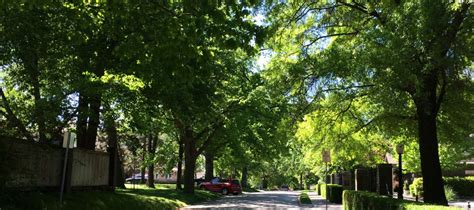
(225, 191)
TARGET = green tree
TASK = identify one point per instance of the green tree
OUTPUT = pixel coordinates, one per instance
(412, 58)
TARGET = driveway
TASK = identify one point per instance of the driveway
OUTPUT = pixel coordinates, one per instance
(258, 200)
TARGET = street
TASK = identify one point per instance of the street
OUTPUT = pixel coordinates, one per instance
(264, 200)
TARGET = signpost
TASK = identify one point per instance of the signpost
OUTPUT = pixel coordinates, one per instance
(69, 141)
(326, 159)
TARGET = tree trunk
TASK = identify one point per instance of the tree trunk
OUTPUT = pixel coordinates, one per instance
(301, 181)
(94, 116)
(426, 105)
(142, 168)
(209, 165)
(112, 138)
(81, 125)
(189, 162)
(151, 166)
(32, 67)
(120, 181)
(12, 119)
(179, 173)
(244, 177)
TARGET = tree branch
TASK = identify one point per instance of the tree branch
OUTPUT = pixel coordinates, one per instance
(13, 119)
(330, 35)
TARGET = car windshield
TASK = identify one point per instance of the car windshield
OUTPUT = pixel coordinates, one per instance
(235, 181)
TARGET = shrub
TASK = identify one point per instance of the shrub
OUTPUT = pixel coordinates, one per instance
(416, 189)
(450, 193)
(322, 188)
(360, 200)
(462, 186)
(304, 198)
(334, 193)
(457, 187)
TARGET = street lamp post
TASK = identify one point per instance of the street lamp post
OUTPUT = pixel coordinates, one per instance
(400, 172)
(326, 159)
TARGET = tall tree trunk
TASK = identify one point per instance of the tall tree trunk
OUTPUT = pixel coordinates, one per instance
(189, 162)
(301, 181)
(12, 119)
(112, 137)
(142, 169)
(179, 173)
(244, 177)
(209, 165)
(427, 110)
(94, 117)
(81, 125)
(151, 166)
(120, 171)
(33, 68)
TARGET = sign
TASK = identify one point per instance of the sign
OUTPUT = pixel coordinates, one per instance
(72, 141)
(326, 156)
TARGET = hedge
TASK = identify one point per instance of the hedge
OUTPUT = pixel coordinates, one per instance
(304, 198)
(360, 200)
(333, 192)
(322, 190)
(462, 186)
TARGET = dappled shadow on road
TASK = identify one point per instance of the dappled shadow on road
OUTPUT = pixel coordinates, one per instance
(257, 200)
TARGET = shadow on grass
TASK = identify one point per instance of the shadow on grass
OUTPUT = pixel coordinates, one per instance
(123, 199)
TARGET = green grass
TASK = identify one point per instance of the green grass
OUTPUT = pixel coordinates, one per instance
(304, 198)
(124, 199)
(249, 189)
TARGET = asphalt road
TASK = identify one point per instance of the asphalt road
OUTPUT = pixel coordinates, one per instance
(257, 200)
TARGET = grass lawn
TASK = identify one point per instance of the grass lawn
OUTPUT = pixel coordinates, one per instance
(249, 189)
(304, 198)
(164, 197)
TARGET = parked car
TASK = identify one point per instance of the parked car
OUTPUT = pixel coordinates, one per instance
(135, 179)
(224, 186)
(199, 181)
(284, 187)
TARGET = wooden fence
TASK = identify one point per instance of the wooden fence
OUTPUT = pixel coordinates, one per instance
(34, 165)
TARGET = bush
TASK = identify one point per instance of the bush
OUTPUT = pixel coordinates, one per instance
(456, 187)
(334, 192)
(304, 198)
(360, 200)
(450, 193)
(322, 190)
(462, 186)
(416, 189)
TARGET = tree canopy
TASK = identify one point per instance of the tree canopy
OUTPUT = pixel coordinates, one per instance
(168, 82)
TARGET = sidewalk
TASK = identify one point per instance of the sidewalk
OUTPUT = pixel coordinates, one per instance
(320, 203)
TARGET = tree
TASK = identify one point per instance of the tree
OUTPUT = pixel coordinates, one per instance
(418, 51)
(191, 83)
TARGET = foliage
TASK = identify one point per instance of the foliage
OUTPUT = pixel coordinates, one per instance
(162, 198)
(454, 186)
(461, 186)
(323, 190)
(450, 193)
(304, 198)
(341, 48)
(416, 188)
(360, 200)
(334, 193)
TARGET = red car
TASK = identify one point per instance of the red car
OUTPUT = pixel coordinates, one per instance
(224, 186)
